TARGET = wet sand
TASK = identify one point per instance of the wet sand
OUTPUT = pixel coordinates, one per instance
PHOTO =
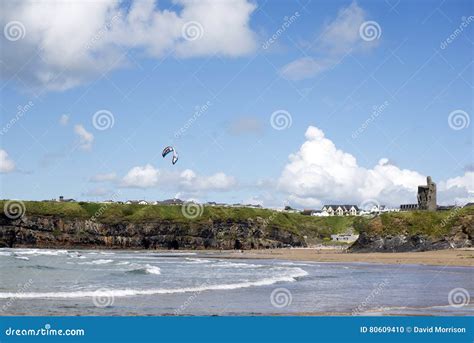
(451, 257)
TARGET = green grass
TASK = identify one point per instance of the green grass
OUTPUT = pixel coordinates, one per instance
(430, 223)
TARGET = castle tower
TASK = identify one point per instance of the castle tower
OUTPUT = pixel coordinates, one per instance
(427, 196)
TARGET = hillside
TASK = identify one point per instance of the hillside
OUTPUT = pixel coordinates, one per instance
(415, 231)
(162, 226)
(96, 225)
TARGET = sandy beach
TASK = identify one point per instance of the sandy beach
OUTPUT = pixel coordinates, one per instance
(451, 257)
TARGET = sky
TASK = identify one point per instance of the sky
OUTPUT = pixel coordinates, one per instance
(299, 103)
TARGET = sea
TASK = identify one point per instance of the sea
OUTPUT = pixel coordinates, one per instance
(154, 283)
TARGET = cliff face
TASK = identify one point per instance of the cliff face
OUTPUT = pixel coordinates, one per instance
(460, 234)
(57, 232)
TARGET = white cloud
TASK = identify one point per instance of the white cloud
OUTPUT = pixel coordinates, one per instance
(67, 43)
(64, 120)
(337, 38)
(458, 190)
(188, 181)
(320, 172)
(141, 177)
(6, 164)
(104, 177)
(85, 138)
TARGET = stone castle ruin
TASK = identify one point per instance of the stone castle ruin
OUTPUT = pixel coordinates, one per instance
(426, 198)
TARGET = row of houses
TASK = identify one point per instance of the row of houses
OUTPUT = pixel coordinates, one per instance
(347, 210)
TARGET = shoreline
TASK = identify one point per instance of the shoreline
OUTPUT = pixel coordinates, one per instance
(451, 257)
(462, 257)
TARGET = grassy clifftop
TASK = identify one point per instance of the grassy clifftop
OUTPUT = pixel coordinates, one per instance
(432, 224)
(134, 213)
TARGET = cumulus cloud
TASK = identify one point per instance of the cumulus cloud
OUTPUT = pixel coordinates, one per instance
(188, 181)
(62, 44)
(6, 164)
(458, 190)
(141, 177)
(320, 172)
(85, 138)
(104, 177)
(337, 38)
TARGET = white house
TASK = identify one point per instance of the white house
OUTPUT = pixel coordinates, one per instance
(341, 210)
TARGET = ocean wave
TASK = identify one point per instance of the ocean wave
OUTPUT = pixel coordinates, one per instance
(146, 269)
(291, 277)
(96, 262)
(24, 258)
(197, 260)
(40, 252)
(225, 264)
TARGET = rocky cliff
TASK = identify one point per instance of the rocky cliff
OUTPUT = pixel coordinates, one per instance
(57, 232)
(402, 233)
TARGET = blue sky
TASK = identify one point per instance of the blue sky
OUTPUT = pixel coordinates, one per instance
(321, 72)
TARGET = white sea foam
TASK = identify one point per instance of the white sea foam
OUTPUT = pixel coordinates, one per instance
(197, 260)
(22, 258)
(290, 277)
(40, 252)
(96, 262)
